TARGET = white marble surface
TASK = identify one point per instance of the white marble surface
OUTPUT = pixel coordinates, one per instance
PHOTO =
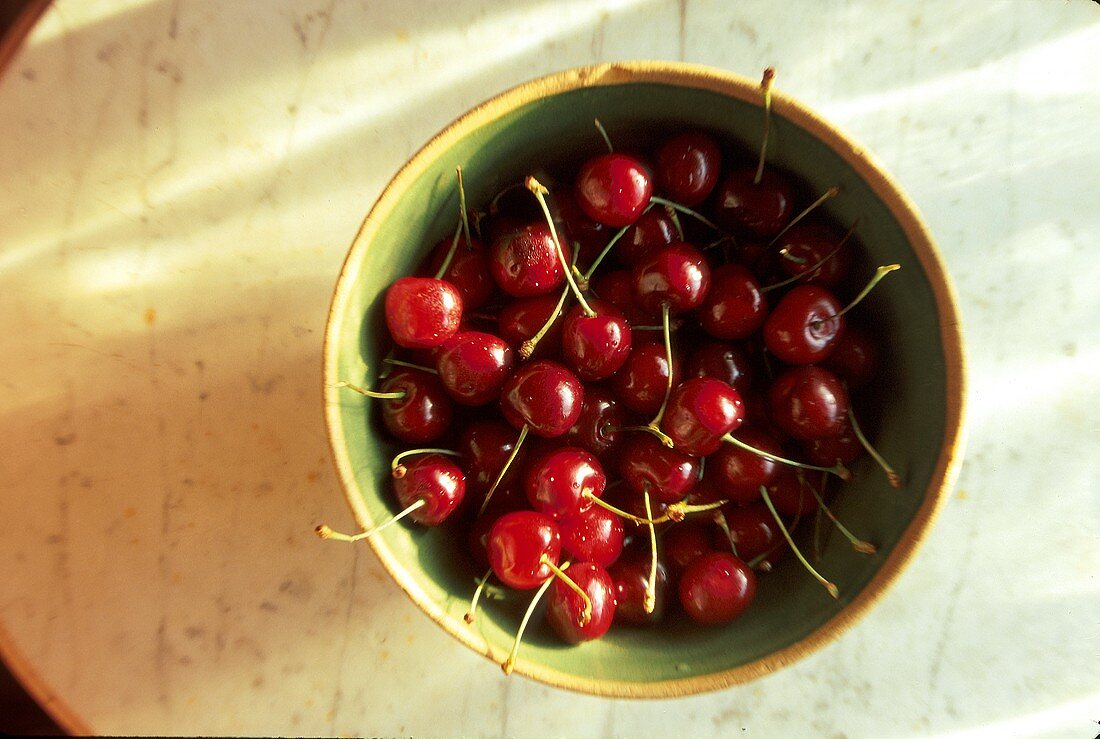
(180, 182)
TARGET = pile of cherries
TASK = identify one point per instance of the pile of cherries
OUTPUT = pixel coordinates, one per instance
(626, 387)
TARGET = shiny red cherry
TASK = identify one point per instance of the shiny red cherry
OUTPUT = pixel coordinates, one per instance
(595, 535)
(805, 326)
(734, 308)
(598, 427)
(652, 231)
(575, 227)
(525, 263)
(641, 382)
(520, 544)
(676, 275)
(761, 209)
(699, 412)
(687, 166)
(422, 311)
(808, 402)
(565, 608)
(630, 575)
(753, 530)
(716, 588)
(613, 189)
(813, 249)
(790, 494)
(739, 473)
(617, 287)
(434, 479)
(844, 448)
(473, 366)
(468, 271)
(424, 413)
(560, 483)
(519, 320)
(726, 362)
(684, 543)
(855, 357)
(595, 346)
(647, 464)
(543, 395)
(484, 446)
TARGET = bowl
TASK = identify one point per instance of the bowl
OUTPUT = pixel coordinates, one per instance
(919, 428)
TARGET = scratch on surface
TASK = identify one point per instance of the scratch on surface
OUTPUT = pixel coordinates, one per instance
(598, 36)
(949, 612)
(682, 32)
(341, 658)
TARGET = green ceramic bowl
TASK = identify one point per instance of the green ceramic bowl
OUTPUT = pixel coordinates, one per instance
(920, 429)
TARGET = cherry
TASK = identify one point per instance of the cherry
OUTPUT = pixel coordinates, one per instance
(613, 189)
(544, 396)
(617, 288)
(566, 610)
(752, 530)
(521, 544)
(473, 366)
(595, 346)
(652, 231)
(687, 166)
(596, 535)
(641, 382)
(468, 271)
(735, 307)
(415, 406)
(575, 227)
(684, 543)
(716, 588)
(676, 276)
(433, 479)
(761, 208)
(422, 311)
(598, 427)
(789, 493)
(855, 357)
(563, 482)
(844, 448)
(631, 575)
(647, 464)
(525, 263)
(726, 362)
(805, 325)
(699, 412)
(740, 473)
(815, 251)
(484, 447)
(808, 402)
(521, 319)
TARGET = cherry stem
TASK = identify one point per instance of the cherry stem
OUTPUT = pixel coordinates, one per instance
(559, 572)
(649, 601)
(891, 475)
(675, 512)
(617, 511)
(395, 463)
(463, 216)
(787, 535)
(508, 463)
(766, 88)
(675, 221)
(685, 210)
(510, 663)
(603, 133)
(654, 426)
(661, 435)
(469, 617)
(858, 544)
(817, 264)
(450, 254)
(540, 193)
(832, 192)
(527, 348)
(881, 272)
(371, 393)
(325, 532)
(614, 240)
(410, 365)
(720, 520)
(838, 469)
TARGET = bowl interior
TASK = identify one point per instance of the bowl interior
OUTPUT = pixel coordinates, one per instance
(524, 132)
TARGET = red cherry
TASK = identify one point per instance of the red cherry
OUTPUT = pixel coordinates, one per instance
(647, 464)
(687, 167)
(815, 248)
(790, 495)
(468, 271)
(422, 311)
(699, 412)
(735, 307)
(520, 544)
(560, 483)
(652, 231)
(684, 543)
(484, 447)
(521, 319)
(525, 262)
(760, 209)
(677, 275)
(473, 366)
(805, 325)
(595, 346)
(726, 362)
(753, 530)
(593, 536)
(576, 227)
(642, 381)
(544, 396)
(630, 575)
(739, 473)
(808, 402)
(855, 357)
(565, 609)
(598, 427)
(613, 189)
(843, 448)
(424, 413)
(435, 480)
(716, 588)
(617, 288)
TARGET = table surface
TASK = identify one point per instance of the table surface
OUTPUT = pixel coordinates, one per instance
(181, 182)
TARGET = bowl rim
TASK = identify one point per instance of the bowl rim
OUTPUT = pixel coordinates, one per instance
(945, 472)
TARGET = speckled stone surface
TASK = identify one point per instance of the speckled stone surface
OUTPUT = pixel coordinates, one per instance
(181, 180)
